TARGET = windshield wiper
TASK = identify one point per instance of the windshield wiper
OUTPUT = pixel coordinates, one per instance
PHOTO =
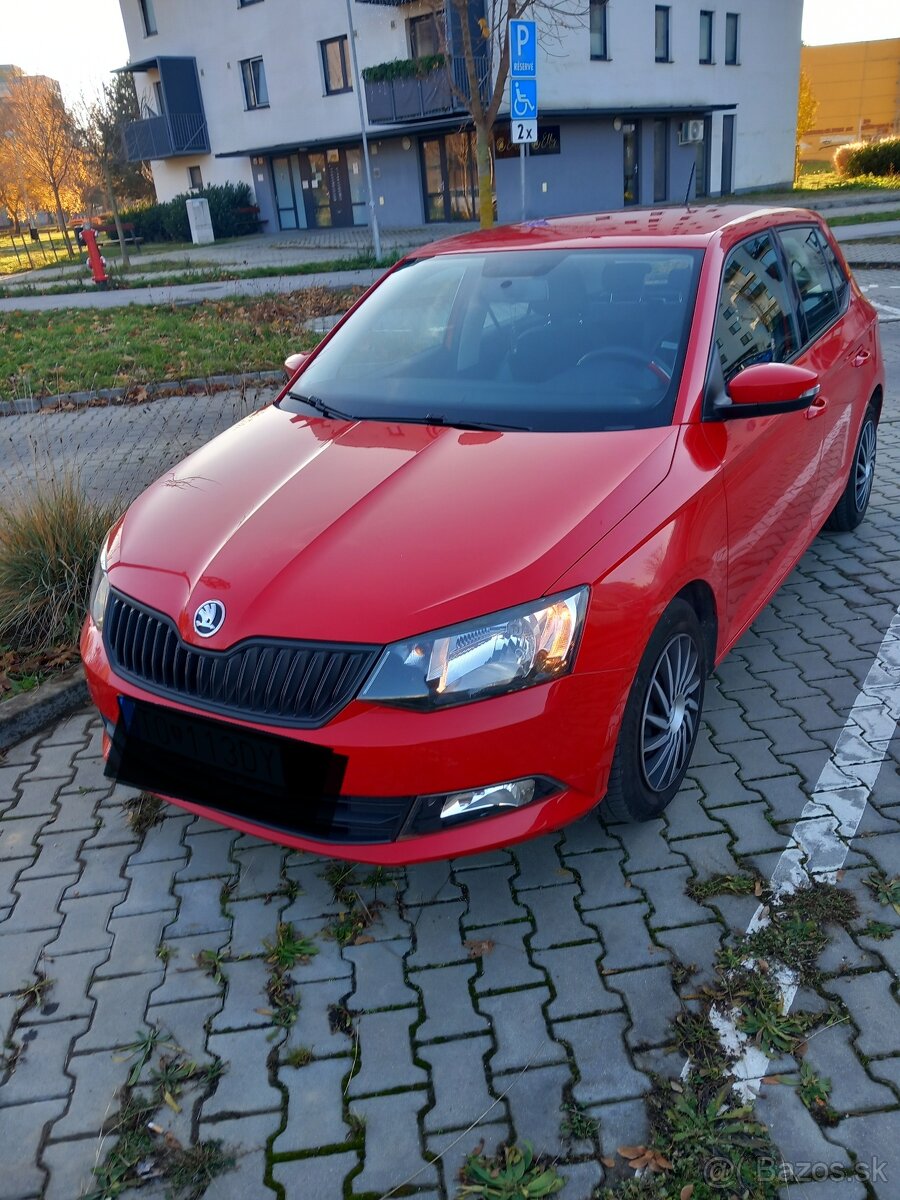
(477, 426)
(327, 410)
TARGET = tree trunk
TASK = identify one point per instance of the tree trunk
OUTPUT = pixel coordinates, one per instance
(61, 222)
(485, 181)
(114, 208)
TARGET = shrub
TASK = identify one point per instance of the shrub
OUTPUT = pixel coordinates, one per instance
(404, 68)
(875, 158)
(842, 155)
(231, 210)
(49, 543)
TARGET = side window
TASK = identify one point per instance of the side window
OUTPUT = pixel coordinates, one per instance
(838, 274)
(756, 320)
(819, 304)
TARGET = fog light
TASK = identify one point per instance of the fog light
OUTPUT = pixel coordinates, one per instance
(500, 795)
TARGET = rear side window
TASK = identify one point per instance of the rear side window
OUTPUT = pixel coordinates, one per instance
(755, 323)
(820, 303)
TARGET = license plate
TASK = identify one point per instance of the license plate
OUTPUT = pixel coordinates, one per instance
(242, 756)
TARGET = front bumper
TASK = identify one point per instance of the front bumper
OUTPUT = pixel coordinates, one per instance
(564, 731)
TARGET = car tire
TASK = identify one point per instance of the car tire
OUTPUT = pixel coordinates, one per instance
(851, 508)
(661, 720)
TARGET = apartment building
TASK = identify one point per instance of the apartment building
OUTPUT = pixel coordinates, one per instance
(639, 103)
(857, 86)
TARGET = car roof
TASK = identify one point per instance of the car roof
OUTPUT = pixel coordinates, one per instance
(685, 227)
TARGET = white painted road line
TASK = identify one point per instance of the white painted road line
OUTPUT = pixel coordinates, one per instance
(886, 310)
(820, 840)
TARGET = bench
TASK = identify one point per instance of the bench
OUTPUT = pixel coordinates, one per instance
(112, 238)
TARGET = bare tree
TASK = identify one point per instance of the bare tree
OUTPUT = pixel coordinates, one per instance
(485, 88)
(43, 138)
(99, 131)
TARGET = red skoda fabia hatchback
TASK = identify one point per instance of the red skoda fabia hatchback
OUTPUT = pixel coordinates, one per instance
(468, 575)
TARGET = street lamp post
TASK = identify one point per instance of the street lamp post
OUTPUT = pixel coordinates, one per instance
(373, 216)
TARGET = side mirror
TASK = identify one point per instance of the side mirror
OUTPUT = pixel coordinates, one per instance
(767, 389)
(294, 362)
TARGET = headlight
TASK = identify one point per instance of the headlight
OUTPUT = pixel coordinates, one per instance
(99, 589)
(500, 653)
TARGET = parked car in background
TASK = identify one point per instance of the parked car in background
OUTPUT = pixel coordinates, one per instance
(467, 576)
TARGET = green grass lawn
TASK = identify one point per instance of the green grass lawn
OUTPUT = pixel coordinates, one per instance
(50, 251)
(865, 218)
(76, 349)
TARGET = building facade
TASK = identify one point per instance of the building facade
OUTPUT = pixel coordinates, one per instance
(857, 86)
(639, 103)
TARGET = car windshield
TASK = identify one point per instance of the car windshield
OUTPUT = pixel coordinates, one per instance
(530, 339)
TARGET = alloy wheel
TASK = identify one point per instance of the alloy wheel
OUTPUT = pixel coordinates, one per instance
(671, 712)
(864, 469)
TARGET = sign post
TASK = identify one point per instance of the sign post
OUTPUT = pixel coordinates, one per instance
(523, 101)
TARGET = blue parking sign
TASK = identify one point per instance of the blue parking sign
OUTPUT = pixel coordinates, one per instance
(523, 49)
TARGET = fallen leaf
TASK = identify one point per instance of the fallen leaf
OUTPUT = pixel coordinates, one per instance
(686, 1192)
(172, 1102)
(676, 1086)
(800, 1049)
(631, 1152)
(771, 1079)
(479, 949)
(363, 939)
(608, 1161)
(757, 889)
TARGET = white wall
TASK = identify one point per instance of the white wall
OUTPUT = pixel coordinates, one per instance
(286, 33)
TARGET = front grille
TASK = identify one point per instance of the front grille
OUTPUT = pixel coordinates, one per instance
(298, 684)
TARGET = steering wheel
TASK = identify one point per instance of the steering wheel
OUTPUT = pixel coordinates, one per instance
(633, 358)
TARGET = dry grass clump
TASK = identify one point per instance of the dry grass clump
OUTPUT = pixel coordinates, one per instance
(49, 542)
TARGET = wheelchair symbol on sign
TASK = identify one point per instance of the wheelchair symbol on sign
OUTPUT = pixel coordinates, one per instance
(522, 105)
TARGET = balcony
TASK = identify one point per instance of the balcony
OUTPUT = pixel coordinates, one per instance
(416, 89)
(166, 136)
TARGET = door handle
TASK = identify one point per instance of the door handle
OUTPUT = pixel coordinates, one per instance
(817, 407)
(861, 358)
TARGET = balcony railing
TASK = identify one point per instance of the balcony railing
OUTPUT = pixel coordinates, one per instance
(166, 136)
(416, 97)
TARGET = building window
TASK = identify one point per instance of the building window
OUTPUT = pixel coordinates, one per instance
(425, 35)
(256, 94)
(247, 3)
(732, 38)
(148, 16)
(599, 30)
(195, 177)
(663, 12)
(335, 65)
(706, 36)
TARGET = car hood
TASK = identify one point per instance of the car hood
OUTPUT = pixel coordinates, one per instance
(369, 531)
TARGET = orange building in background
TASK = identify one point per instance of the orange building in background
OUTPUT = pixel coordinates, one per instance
(857, 85)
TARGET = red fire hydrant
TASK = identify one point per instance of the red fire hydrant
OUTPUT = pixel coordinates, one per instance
(95, 258)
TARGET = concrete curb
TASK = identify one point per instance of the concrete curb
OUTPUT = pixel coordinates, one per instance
(125, 395)
(32, 711)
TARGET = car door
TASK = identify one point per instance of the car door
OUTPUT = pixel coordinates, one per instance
(838, 345)
(770, 463)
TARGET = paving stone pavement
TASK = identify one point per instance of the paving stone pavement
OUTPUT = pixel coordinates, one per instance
(487, 993)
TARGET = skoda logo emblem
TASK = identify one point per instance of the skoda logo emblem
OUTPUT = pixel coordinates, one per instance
(209, 618)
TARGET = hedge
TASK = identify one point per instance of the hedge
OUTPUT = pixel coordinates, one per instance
(232, 211)
(875, 158)
(404, 68)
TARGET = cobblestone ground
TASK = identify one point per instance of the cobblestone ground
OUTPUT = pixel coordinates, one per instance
(486, 992)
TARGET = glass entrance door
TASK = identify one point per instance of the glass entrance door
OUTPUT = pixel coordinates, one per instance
(631, 143)
(450, 177)
(326, 189)
(285, 199)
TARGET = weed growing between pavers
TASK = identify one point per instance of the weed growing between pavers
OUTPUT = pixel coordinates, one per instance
(886, 891)
(143, 1153)
(705, 1141)
(513, 1173)
(724, 885)
(143, 812)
